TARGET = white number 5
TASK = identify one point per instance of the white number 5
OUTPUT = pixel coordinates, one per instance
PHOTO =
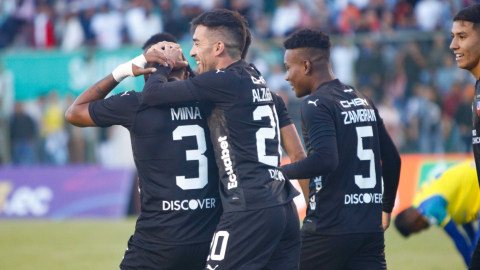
(365, 154)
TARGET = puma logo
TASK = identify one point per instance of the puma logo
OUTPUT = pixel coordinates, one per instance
(210, 268)
(313, 102)
(218, 71)
(348, 90)
(125, 94)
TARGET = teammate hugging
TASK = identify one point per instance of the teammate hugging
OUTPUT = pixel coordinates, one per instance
(182, 225)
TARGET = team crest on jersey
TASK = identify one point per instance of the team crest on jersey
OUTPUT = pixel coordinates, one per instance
(478, 107)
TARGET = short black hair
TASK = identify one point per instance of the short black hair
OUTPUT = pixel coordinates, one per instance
(402, 224)
(248, 42)
(469, 14)
(309, 39)
(231, 24)
(160, 37)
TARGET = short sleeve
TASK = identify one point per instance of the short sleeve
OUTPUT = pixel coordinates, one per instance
(284, 118)
(435, 210)
(318, 119)
(216, 86)
(119, 109)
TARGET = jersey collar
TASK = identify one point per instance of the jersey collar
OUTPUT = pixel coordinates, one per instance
(331, 83)
(239, 63)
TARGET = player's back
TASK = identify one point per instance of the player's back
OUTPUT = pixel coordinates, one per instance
(180, 202)
(348, 200)
(458, 186)
(245, 132)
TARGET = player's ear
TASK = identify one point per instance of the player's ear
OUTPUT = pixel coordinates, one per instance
(186, 75)
(307, 67)
(219, 48)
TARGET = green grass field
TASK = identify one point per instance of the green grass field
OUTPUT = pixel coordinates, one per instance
(100, 245)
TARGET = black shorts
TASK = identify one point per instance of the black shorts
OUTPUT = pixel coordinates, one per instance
(475, 263)
(343, 252)
(259, 239)
(148, 256)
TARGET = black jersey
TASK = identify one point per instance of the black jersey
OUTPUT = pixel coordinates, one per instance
(245, 131)
(349, 199)
(180, 202)
(476, 127)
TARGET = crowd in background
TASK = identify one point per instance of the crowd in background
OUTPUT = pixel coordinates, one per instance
(394, 51)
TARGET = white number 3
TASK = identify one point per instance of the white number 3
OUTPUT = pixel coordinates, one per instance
(197, 154)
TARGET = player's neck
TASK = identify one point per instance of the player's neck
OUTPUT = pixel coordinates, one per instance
(322, 77)
(224, 62)
(476, 72)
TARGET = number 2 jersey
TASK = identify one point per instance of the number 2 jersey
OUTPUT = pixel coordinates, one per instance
(349, 199)
(178, 176)
(245, 131)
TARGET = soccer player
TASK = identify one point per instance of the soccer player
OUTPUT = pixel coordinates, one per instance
(466, 37)
(349, 150)
(259, 228)
(450, 199)
(180, 201)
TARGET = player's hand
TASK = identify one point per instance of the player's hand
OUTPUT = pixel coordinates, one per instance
(386, 220)
(155, 56)
(137, 71)
(173, 52)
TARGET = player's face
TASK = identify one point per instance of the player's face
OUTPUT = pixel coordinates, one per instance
(203, 50)
(295, 74)
(419, 223)
(465, 45)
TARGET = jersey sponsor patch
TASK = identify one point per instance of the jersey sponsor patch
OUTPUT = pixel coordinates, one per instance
(192, 204)
(227, 162)
(478, 107)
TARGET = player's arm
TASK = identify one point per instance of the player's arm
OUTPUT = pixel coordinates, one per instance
(78, 113)
(290, 141)
(322, 135)
(208, 87)
(474, 241)
(460, 243)
(468, 227)
(391, 165)
(294, 149)
(158, 91)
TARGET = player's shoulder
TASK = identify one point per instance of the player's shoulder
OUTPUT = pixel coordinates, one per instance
(128, 101)
(277, 99)
(219, 78)
(127, 97)
(316, 100)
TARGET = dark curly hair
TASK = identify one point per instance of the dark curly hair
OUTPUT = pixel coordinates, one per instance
(160, 37)
(469, 14)
(309, 39)
(230, 25)
(403, 221)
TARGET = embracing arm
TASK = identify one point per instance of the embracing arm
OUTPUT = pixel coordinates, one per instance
(322, 161)
(158, 91)
(78, 114)
(294, 149)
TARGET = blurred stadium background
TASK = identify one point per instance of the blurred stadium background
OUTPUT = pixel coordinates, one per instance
(65, 192)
